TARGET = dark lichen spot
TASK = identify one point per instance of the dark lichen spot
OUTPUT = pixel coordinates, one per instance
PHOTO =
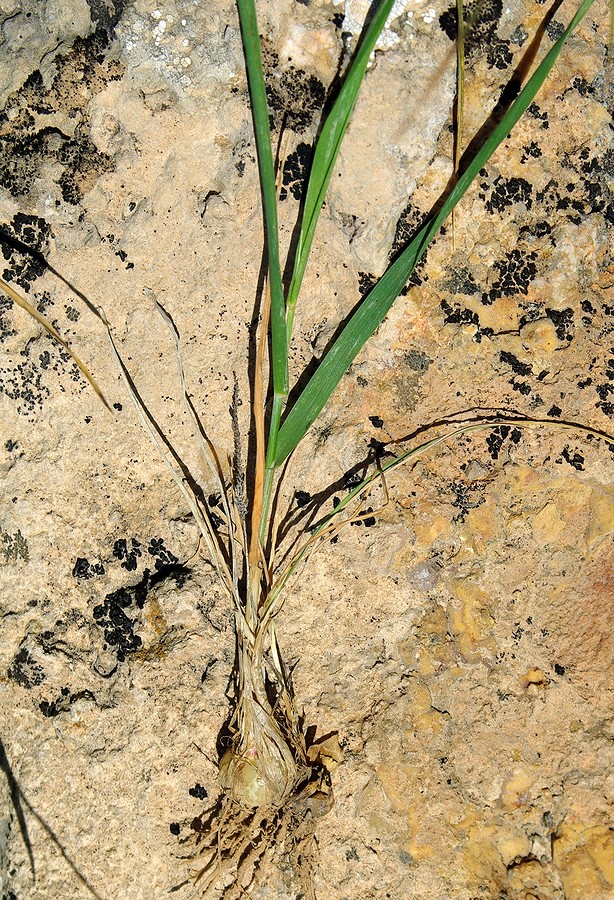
(165, 560)
(554, 30)
(562, 319)
(417, 360)
(175, 828)
(52, 708)
(461, 281)
(497, 437)
(13, 547)
(84, 569)
(516, 271)
(481, 20)
(518, 367)
(296, 168)
(119, 614)
(456, 315)
(505, 192)
(25, 243)
(366, 281)
(467, 496)
(576, 460)
(302, 498)
(408, 224)
(24, 670)
(198, 791)
(294, 96)
(351, 480)
(127, 556)
(106, 13)
(376, 421)
(29, 143)
(531, 151)
(536, 113)
(118, 626)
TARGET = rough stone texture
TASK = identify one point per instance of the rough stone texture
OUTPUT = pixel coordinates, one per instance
(462, 645)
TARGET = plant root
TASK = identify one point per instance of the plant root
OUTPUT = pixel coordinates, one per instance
(241, 844)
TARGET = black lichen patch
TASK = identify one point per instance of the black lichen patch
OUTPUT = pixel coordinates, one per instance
(562, 319)
(106, 13)
(536, 113)
(302, 498)
(24, 383)
(366, 282)
(24, 231)
(13, 547)
(505, 192)
(127, 556)
(588, 189)
(575, 459)
(119, 252)
(605, 392)
(164, 559)
(24, 670)
(498, 436)
(461, 281)
(408, 224)
(417, 360)
(515, 272)
(458, 315)
(467, 496)
(29, 142)
(481, 20)
(518, 367)
(294, 96)
(368, 521)
(295, 171)
(119, 614)
(118, 626)
(84, 569)
(531, 151)
(51, 708)
(198, 791)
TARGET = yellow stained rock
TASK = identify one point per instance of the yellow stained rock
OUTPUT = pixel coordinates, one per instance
(512, 847)
(485, 522)
(401, 784)
(534, 675)
(585, 858)
(428, 529)
(540, 336)
(515, 791)
(472, 624)
(601, 520)
(548, 525)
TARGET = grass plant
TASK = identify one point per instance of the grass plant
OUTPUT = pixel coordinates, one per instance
(268, 773)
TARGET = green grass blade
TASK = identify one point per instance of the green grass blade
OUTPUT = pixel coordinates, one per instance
(374, 307)
(327, 150)
(260, 114)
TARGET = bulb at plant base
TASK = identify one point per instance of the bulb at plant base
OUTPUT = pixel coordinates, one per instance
(258, 779)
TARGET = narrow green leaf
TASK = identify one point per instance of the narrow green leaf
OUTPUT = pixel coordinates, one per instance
(262, 131)
(327, 150)
(376, 304)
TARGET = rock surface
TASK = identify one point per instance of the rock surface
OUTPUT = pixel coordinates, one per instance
(462, 644)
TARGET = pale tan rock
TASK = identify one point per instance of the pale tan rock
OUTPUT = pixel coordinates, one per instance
(462, 647)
